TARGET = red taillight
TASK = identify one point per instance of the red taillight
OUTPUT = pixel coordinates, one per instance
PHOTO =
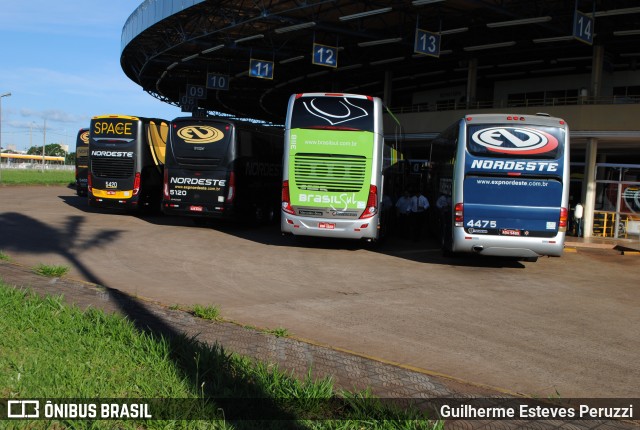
(372, 203)
(459, 215)
(564, 215)
(232, 187)
(89, 182)
(136, 184)
(165, 186)
(286, 200)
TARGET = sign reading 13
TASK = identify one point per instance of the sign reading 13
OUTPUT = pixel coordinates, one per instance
(261, 69)
(427, 43)
(325, 55)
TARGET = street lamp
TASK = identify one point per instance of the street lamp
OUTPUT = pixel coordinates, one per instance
(1, 96)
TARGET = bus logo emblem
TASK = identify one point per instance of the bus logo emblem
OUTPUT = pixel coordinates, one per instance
(200, 134)
(84, 137)
(344, 114)
(515, 140)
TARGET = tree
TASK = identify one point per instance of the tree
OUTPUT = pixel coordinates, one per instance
(71, 158)
(52, 149)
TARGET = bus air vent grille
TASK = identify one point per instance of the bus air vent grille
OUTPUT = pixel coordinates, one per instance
(112, 167)
(329, 172)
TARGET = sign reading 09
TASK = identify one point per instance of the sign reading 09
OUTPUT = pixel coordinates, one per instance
(196, 91)
(261, 69)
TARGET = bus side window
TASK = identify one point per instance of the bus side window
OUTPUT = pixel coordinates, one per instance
(245, 149)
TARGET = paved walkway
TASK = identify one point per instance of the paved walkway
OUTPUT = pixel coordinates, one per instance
(348, 370)
(621, 245)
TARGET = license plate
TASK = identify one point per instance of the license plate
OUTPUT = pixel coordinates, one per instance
(327, 225)
(509, 232)
(111, 193)
(196, 208)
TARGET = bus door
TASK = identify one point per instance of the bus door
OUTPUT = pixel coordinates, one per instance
(513, 180)
(197, 178)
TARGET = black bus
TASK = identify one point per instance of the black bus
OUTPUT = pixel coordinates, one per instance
(217, 168)
(82, 161)
(126, 159)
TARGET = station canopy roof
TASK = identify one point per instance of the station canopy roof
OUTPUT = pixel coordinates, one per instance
(356, 46)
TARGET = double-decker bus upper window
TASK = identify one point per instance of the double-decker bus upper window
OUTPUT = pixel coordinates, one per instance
(200, 141)
(338, 113)
(517, 141)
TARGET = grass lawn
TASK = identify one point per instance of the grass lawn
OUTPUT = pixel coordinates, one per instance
(36, 176)
(54, 351)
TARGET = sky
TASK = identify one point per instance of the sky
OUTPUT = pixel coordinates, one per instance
(60, 60)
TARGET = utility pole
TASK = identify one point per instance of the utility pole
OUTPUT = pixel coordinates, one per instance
(44, 141)
(1, 96)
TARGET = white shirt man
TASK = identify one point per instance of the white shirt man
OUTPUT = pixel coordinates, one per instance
(419, 203)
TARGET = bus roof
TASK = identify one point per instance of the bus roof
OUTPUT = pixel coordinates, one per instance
(540, 119)
(355, 96)
(134, 118)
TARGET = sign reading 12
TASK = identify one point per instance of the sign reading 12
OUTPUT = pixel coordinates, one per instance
(261, 69)
(325, 55)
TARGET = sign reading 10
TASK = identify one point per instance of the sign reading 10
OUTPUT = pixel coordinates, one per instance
(261, 69)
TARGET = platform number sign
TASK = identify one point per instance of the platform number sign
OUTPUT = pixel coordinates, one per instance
(325, 55)
(583, 26)
(217, 82)
(198, 92)
(261, 69)
(427, 43)
(188, 104)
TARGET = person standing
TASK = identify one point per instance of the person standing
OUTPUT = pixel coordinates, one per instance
(419, 206)
(403, 211)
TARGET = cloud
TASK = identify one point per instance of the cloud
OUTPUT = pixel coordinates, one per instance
(55, 115)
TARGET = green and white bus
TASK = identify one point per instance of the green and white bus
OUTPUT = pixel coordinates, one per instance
(334, 165)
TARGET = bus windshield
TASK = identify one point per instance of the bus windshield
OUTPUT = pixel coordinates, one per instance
(334, 113)
(515, 141)
(200, 143)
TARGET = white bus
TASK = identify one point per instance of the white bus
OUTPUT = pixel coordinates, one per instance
(502, 183)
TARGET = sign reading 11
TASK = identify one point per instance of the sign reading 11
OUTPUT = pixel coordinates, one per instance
(261, 69)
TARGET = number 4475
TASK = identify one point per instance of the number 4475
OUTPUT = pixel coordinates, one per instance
(482, 223)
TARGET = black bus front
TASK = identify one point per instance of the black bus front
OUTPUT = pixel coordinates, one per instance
(197, 178)
(124, 173)
(220, 169)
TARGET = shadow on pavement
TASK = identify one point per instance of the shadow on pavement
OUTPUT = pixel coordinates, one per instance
(425, 251)
(209, 370)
